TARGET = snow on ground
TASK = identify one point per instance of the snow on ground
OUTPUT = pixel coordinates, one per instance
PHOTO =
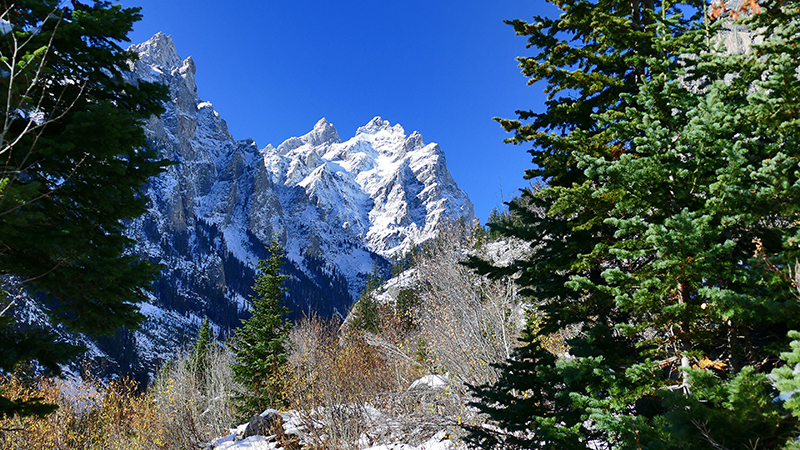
(438, 442)
(384, 431)
(432, 381)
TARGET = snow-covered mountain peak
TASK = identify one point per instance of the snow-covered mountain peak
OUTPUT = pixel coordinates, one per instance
(158, 52)
(324, 133)
(337, 208)
(378, 125)
(388, 190)
(188, 67)
(323, 126)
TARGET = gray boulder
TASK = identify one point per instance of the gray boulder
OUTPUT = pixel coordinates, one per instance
(267, 423)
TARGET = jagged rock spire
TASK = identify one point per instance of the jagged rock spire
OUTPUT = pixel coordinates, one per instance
(159, 52)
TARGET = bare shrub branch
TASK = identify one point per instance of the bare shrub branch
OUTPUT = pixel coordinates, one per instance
(195, 405)
(468, 321)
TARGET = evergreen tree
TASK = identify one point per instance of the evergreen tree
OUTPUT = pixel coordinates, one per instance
(198, 358)
(73, 159)
(366, 307)
(788, 377)
(670, 209)
(260, 345)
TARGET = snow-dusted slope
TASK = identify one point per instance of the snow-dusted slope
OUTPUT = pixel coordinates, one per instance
(338, 208)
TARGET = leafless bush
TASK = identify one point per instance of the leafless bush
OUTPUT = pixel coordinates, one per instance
(90, 416)
(194, 406)
(333, 380)
(351, 386)
(439, 318)
(181, 411)
(467, 321)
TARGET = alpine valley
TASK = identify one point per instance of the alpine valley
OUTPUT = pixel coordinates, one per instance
(339, 208)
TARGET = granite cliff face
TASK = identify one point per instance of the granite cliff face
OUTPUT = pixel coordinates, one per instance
(337, 207)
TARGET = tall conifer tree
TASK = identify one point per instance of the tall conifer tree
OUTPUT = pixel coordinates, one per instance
(198, 358)
(259, 346)
(671, 166)
(73, 160)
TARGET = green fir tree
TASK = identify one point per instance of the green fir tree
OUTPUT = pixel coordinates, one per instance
(198, 358)
(668, 214)
(260, 345)
(788, 376)
(367, 309)
(73, 160)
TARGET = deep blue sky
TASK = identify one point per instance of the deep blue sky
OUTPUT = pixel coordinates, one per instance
(444, 68)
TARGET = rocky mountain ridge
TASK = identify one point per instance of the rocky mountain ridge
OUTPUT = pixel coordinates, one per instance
(339, 209)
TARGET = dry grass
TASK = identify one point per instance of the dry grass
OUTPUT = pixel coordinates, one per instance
(351, 388)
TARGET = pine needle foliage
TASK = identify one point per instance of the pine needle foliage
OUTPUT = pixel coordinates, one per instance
(73, 161)
(367, 309)
(788, 376)
(671, 178)
(198, 356)
(260, 345)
